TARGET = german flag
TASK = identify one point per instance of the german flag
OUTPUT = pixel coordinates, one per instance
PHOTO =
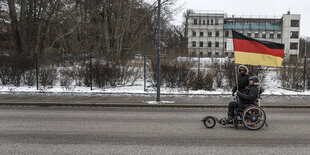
(255, 52)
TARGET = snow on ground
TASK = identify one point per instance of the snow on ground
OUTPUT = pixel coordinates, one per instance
(161, 102)
(271, 85)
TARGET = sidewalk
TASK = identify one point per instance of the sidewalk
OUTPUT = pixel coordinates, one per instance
(112, 100)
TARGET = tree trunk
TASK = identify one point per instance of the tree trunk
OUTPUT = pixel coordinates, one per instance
(14, 26)
(106, 28)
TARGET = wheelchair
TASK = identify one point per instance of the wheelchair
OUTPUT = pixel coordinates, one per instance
(252, 116)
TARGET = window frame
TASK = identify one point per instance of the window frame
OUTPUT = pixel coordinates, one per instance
(194, 44)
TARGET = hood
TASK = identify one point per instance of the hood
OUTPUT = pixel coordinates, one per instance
(246, 69)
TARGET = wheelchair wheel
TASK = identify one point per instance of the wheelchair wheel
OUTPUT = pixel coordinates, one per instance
(209, 121)
(253, 118)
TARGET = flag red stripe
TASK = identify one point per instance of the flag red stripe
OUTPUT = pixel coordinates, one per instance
(255, 47)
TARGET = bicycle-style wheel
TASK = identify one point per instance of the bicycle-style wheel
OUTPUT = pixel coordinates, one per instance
(253, 118)
(209, 121)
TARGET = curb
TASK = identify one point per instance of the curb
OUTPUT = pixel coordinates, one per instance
(49, 104)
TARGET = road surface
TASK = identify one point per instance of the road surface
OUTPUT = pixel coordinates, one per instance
(94, 130)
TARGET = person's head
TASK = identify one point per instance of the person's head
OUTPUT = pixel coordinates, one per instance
(243, 70)
(253, 80)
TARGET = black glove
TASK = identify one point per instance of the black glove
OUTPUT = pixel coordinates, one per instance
(238, 93)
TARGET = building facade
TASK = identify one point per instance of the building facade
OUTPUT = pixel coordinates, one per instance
(210, 34)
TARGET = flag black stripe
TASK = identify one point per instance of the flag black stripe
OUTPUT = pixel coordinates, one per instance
(271, 45)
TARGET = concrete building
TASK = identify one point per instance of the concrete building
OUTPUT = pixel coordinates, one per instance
(210, 34)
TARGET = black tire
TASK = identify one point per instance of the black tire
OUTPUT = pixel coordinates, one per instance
(253, 118)
(209, 122)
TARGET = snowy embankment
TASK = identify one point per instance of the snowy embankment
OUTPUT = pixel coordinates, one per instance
(271, 85)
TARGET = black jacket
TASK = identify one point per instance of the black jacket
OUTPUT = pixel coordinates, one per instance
(243, 82)
(249, 96)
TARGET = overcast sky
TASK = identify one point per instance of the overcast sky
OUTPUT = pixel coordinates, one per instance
(253, 7)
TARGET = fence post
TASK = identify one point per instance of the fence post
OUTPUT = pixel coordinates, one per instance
(305, 65)
(198, 75)
(144, 70)
(37, 70)
(90, 72)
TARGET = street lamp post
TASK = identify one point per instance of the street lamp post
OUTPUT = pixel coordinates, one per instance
(158, 53)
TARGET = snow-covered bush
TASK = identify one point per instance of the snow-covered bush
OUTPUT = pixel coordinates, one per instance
(47, 76)
(105, 74)
(66, 78)
(130, 71)
(229, 72)
(179, 74)
(291, 74)
(13, 68)
(29, 77)
(218, 74)
(203, 81)
(4, 72)
(82, 76)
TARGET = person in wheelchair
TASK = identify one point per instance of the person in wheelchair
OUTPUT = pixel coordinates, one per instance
(248, 97)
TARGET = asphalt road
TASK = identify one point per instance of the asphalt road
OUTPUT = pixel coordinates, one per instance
(95, 130)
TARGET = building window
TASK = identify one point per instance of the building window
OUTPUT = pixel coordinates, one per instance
(249, 34)
(217, 33)
(209, 34)
(209, 54)
(201, 53)
(263, 34)
(194, 33)
(193, 43)
(271, 35)
(279, 36)
(209, 44)
(293, 56)
(201, 34)
(217, 44)
(294, 34)
(294, 23)
(226, 54)
(211, 21)
(201, 44)
(293, 46)
(225, 45)
(216, 54)
(216, 21)
(199, 22)
(226, 33)
(204, 22)
(256, 35)
(208, 22)
(195, 21)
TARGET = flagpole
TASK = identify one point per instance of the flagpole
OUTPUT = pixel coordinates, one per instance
(235, 64)
(236, 77)
(237, 84)
(232, 31)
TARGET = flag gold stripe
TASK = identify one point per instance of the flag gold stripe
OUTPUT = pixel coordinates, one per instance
(257, 59)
